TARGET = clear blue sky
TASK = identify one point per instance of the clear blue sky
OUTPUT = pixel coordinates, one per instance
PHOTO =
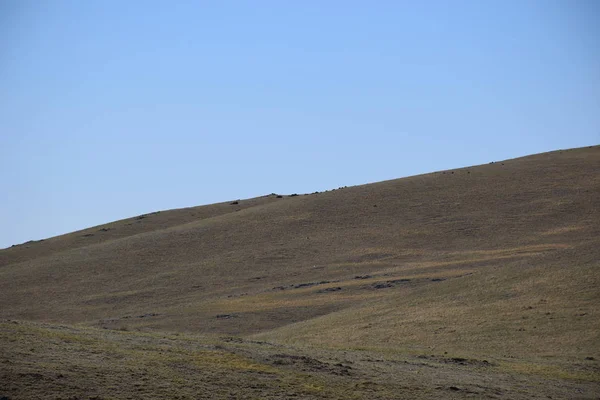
(110, 109)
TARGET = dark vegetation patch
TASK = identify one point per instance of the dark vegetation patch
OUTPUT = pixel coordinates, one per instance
(237, 295)
(395, 282)
(458, 361)
(236, 339)
(117, 319)
(148, 315)
(382, 285)
(28, 242)
(331, 289)
(257, 278)
(309, 364)
(302, 285)
(144, 216)
(226, 316)
(389, 284)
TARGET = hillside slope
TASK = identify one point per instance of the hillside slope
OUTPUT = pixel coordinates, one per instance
(44, 361)
(497, 259)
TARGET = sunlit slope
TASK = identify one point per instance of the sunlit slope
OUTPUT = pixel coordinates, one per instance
(61, 361)
(402, 262)
(543, 306)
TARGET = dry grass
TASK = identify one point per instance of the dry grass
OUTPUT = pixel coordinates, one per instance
(497, 262)
(41, 360)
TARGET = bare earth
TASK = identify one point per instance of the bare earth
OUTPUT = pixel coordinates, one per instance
(480, 282)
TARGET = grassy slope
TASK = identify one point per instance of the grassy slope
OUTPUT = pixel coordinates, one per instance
(497, 261)
(43, 361)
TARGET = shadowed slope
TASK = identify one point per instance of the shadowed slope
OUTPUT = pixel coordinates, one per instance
(123, 228)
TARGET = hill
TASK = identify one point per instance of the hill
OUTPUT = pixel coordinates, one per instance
(497, 262)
